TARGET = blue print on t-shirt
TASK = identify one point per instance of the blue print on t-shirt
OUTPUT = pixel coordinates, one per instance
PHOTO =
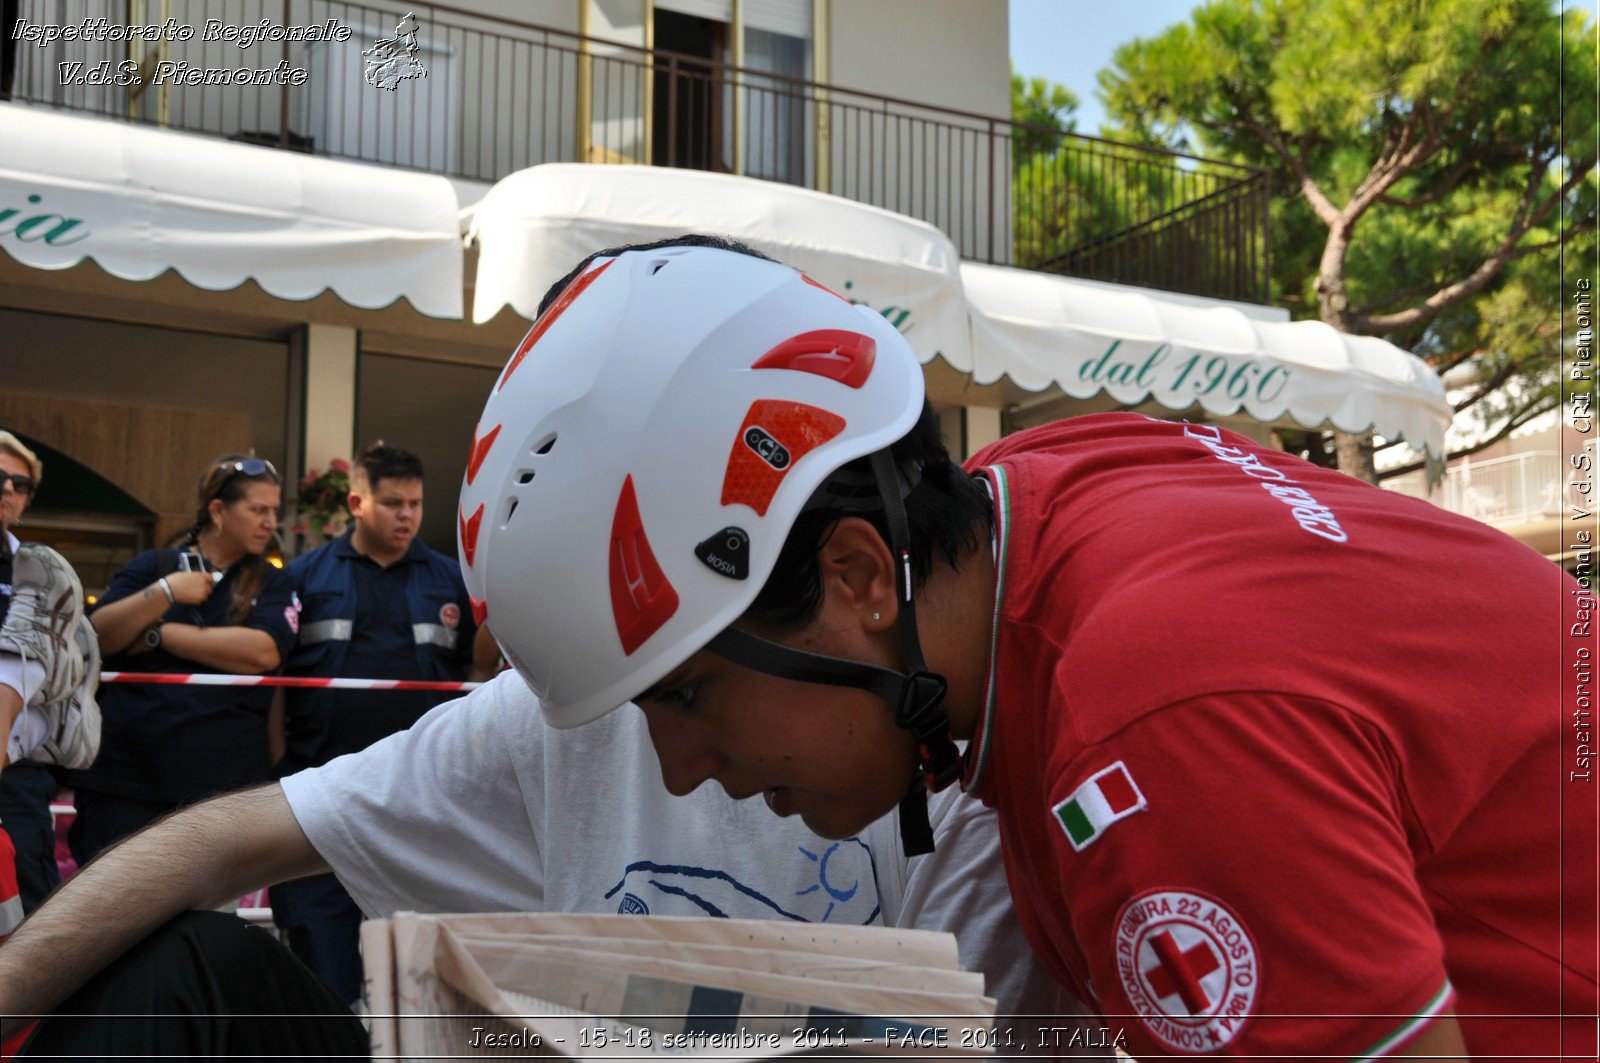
(836, 896)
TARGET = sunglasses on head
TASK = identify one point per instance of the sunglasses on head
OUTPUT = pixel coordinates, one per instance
(245, 467)
(23, 485)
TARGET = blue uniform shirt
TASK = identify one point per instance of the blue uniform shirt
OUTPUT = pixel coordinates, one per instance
(177, 744)
(411, 620)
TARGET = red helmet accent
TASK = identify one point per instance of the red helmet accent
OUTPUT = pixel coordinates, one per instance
(469, 532)
(480, 611)
(548, 318)
(824, 287)
(833, 353)
(775, 435)
(480, 450)
(641, 598)
(647, 378)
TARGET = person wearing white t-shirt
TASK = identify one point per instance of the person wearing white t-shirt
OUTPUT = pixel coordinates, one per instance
(481, 807)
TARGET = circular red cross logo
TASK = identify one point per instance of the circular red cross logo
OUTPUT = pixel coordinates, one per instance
(1189, 968)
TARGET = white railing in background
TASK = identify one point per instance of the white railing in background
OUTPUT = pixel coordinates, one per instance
(1510, 490)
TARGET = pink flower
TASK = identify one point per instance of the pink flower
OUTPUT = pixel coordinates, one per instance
(339, 465)
(300, 528)
(328, 529)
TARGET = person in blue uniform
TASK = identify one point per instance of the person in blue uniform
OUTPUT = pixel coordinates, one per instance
(212, 604)
(378, 603)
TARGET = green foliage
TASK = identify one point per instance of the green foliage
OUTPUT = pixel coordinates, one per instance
(1431, 158)
(1045, 106)
(1095, 208)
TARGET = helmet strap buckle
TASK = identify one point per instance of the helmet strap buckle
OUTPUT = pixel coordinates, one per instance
(921, 711)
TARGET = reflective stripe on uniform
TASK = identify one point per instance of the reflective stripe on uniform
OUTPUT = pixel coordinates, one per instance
(326, 631)
(10, 915)
(434, 634)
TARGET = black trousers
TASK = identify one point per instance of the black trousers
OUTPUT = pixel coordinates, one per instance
(26, 790)
(104, 819)
(323, 924)
(205, 985)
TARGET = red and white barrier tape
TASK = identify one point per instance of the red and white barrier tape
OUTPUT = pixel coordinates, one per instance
(302, 681)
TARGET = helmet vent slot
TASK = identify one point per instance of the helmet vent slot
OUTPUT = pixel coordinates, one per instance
(544, 445)
(524, 476)
(657, 266)
(511, 509)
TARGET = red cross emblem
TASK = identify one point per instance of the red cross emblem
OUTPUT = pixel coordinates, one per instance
(1180, 971)
(1193, 980)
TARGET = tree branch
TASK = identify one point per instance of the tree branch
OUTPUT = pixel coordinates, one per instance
(1516, 421)
(1411, 152)
(1398, 297)
(1489, 387)
(1525, 218)
(1296, 161)
(1450, 181)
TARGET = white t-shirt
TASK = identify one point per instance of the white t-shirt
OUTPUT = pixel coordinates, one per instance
(483, 807)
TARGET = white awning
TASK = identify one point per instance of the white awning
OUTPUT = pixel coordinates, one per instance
(536, 224)
(1042, 331)
(1479, 423)
(1036, 331)
(141, 201)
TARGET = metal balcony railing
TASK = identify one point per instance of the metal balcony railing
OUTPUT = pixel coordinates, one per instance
(1511, 490)
(500, 95)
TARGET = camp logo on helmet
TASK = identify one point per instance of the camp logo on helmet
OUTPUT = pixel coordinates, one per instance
(767, 448)
(727, 552)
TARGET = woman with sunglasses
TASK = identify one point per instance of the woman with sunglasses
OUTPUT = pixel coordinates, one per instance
(212, 604)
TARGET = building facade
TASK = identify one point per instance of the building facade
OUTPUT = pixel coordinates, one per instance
(138, 374)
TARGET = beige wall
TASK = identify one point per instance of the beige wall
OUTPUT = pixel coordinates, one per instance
(619, 127)
(950, 53)
(947, 53)
(557, 14)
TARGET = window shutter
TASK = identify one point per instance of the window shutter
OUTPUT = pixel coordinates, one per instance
(715, 10)
(792, 18)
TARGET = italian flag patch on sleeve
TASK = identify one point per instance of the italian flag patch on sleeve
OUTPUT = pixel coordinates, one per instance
(1109, 795)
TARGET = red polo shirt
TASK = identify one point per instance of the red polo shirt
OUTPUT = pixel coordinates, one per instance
(1283, 761)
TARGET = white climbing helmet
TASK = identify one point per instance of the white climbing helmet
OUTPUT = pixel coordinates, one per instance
(645, 452)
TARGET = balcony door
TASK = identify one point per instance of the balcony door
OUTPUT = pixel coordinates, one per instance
(693, 101)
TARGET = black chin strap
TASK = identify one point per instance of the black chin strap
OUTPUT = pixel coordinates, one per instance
(917, 695)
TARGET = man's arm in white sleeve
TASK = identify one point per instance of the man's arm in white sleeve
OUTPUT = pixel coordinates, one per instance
(199, 858)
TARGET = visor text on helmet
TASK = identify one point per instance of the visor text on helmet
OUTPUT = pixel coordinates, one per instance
(727, 552)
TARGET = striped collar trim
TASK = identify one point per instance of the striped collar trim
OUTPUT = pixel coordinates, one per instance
(1408, 1029)
(983, 739)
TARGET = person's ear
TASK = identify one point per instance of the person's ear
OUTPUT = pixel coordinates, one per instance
(352, 502)
(216, 507)
(857, 573)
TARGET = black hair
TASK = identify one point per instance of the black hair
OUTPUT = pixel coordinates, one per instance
(721, 243)
(381, 461)
(948, 511)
